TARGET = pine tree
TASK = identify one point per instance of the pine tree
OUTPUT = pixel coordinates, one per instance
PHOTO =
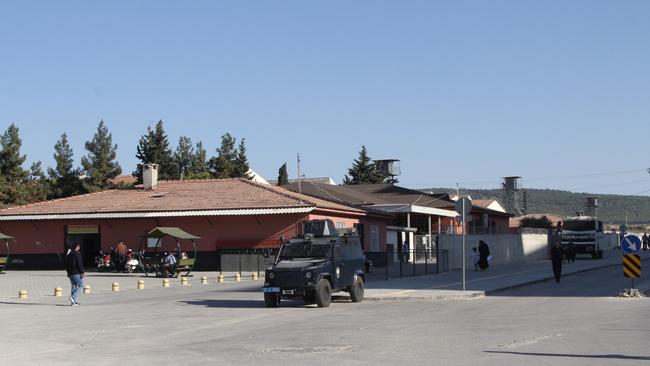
(11, 167)
(64, 178)
(199, 165)
(222, 165)
(363, 170)
(283, 175)
(153, 148)
(37, 185)
(183, 156)
(100, 165)
(241, 167)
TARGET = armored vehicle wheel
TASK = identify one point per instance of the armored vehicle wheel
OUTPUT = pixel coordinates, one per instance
(272, 300)
(310, 298)
(323, 293)
(356, 291)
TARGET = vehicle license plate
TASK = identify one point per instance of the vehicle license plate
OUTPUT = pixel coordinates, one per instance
(271, 289)
(288, 292)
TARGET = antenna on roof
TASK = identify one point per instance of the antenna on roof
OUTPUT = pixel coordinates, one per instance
(299, 177)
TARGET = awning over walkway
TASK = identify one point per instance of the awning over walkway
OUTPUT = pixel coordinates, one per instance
(397, 208)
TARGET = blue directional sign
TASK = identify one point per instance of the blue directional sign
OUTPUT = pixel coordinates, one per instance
(631, 244)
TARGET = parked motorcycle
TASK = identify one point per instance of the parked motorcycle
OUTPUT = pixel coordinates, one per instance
(103, 262)
(132, 261)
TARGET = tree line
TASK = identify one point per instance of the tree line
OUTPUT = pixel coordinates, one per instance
(99, 166)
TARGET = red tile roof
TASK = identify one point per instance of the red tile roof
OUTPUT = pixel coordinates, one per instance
(186, 195)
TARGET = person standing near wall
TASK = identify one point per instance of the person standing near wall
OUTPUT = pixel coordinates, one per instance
(484, 253)
(74, 266)
(556, 261)
(645, 241)
(570, 254)
(120, 250)
(406, 253)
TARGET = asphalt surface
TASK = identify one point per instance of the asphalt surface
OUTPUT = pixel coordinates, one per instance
(576, 322)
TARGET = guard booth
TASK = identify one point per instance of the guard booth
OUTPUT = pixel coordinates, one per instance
(153, 247)
(4, 251)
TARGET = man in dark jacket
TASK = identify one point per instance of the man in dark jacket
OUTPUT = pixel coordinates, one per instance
(74, 265)
(556, 260)
(484, 253)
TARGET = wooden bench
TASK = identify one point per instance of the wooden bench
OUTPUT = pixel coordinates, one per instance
(185, 264)
(3, 263)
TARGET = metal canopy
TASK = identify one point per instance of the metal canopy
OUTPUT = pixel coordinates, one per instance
(175, 232)
(401, 208)
(5, 237)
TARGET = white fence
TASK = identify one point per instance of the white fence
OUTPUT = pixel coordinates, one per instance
(504, 248)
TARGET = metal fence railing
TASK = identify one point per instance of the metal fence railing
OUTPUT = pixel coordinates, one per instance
(387, 265)
(245, 260)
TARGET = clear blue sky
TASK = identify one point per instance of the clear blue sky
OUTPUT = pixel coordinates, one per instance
(462, 91)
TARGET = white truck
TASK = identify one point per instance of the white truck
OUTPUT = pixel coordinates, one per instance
(585, 232)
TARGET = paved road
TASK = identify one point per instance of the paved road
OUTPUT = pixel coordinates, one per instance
(577, 322)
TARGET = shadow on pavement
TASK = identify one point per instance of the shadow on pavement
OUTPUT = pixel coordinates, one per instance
(571, 355)
(247, 304)
(28, 303)
(233, 304)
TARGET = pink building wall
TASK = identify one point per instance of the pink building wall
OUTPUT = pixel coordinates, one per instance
(216, 232)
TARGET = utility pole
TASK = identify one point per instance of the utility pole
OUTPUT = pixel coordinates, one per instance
(299, 175)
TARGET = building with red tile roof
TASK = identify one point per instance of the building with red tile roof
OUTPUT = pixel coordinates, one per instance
(225, 213)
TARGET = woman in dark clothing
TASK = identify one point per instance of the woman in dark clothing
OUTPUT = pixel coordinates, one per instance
(556, 260)
(484, 253)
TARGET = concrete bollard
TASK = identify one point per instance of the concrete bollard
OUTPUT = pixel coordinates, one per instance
(254, 276)
(58, 291)
(220, 278)
(237, 277)
(87, 289)
(140, 284)
(116, 287)
(22, 294)
(184, 281)
(166, 282)
(204, 280)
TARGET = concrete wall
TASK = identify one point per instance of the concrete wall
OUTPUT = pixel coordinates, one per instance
(504, 248)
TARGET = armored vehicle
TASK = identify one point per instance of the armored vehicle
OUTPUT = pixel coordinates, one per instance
(315, 265)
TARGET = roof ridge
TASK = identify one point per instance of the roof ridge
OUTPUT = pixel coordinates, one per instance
(39, 203)
(277, 190)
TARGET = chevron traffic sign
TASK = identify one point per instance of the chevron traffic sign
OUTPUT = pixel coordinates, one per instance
(632, 265)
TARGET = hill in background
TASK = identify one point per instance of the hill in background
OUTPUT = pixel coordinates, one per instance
(612, 208)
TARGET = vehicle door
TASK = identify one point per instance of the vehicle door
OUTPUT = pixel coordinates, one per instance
(338, 272)
(354, 257)
(347, 265)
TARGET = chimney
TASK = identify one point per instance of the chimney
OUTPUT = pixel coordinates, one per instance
(150, 176)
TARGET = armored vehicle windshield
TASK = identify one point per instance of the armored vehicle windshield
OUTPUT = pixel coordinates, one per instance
(305, 250)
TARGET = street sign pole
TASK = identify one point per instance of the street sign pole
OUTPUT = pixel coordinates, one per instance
(463, 207)
(464, 259)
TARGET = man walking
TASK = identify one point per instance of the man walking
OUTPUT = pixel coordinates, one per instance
(74, 265)
(484, 254)
(556, 260)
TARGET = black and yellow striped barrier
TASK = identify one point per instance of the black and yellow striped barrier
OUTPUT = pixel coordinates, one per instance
(632, 265)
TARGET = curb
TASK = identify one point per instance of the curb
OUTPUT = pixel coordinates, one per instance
(468, 296)
(533, 282)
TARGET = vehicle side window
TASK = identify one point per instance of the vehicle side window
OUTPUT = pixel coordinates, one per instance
(352, 251)
(338, 252)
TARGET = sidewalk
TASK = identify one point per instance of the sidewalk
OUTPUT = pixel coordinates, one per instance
(40, 284)
(448, 285)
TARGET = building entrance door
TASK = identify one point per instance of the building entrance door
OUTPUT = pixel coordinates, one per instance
(88, 238)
